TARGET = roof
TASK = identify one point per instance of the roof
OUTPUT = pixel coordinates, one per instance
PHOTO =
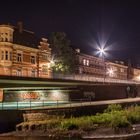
(26, 38)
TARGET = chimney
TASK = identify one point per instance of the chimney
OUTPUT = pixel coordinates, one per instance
(77, 50)
(20, 26)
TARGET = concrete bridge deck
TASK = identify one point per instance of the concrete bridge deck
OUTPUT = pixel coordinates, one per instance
(76, 80)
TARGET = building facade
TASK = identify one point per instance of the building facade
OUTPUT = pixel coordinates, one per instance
(91, 65)
(22, 54)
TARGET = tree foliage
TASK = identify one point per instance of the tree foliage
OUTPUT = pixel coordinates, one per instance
(62, 53)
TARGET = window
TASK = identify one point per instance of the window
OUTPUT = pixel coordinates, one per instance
(114, 68)
(19, 72)
(84, 61)
(45, 56)
(2, 55)
(44, 69)
(6, 39)
(6, 55)
(19, 57)
(33, 59)
(121, 70)
(33, 73)
(10, 56)
(87, 62)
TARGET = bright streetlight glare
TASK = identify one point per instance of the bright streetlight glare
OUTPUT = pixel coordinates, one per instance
(110, 72)
(102, 51)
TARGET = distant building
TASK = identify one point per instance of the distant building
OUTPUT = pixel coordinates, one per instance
(87, 64)
(22, 54)
(116, 70)
(91, 65)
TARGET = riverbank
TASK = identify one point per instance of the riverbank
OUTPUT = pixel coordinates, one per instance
(114, 122)
(99, 133)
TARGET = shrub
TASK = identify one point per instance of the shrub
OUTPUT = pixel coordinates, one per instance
(113, 107)
(133, 114)
(119, 120)
(51, 124)
(69, 125)
(84, 123)
(104, 118)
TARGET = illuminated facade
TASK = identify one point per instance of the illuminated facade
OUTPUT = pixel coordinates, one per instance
(91, 65)
(22, 54)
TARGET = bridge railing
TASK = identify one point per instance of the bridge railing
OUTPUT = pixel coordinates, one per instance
(91, 78)
(39, 104)
(43, 104)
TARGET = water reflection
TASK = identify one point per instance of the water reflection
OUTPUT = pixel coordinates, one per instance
(46, 138)
(36, 138)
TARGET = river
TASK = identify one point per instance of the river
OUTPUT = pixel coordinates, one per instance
(46, 138)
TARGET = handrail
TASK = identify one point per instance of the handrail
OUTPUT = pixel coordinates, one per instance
(90, 78)
(33, 105)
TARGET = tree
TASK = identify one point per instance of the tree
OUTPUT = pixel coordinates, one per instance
(63, 55)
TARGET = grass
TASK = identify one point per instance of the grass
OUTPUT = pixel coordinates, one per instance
(114, 116)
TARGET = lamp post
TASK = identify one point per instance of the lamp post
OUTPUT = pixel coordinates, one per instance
(102, 55)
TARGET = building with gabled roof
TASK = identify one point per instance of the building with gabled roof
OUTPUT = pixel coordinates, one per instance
(22, 53)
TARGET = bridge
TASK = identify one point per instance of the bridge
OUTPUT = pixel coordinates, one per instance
(60, 80)
(60, 90)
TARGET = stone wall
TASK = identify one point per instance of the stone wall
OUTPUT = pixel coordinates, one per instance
(105, 92)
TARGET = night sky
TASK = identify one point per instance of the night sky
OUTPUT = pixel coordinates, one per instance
(87, 23)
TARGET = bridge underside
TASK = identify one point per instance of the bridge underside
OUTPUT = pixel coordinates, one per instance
(22, 89)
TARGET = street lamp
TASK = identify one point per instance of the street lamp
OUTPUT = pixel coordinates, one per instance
(102, 52)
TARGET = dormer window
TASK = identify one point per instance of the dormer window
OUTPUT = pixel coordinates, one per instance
(6, 33)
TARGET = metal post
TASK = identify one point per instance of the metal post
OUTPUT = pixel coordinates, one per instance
(90, 100)
(57, 103)
(17, 104)
(70, 103)
(30, 104)
(104, 73)
(43, 103)
(2, 105)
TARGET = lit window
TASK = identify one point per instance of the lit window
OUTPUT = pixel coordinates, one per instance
(114, 68)
(121, 70)
(19, 57)
(2, 55)
(19, 72)
(45, 56)
(87, 62)
(44, 69)
(6, 55)
(33, 59)
(84, 61)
